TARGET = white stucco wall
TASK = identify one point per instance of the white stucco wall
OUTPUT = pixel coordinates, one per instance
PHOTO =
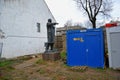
(18, 21)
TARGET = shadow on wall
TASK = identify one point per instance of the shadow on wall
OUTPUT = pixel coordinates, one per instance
(1, 45)
(2, 35)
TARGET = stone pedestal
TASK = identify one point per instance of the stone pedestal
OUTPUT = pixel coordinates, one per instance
(51, 55)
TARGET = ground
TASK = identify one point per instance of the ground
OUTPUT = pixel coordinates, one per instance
(34, 68)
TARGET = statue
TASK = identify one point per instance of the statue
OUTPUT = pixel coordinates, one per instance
(50, 53)
(50, 34)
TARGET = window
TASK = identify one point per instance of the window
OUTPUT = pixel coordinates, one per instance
(38, 27)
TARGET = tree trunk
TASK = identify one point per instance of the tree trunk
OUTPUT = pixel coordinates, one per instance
(94, 23)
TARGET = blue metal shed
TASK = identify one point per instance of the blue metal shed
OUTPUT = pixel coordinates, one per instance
(85, 48)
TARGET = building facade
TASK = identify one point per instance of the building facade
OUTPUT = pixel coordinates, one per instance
(23, 27)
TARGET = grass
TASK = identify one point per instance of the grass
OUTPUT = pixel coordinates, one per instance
(54, 70)
(41, 71)
(63, 55)
(99, 69)
(40, 61)
(5, 78)
(6, 67)
(6, 63)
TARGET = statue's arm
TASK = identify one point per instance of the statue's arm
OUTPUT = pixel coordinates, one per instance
(55, 23)
(52, 24)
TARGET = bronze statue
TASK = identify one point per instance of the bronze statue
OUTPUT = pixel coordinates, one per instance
(50, 34)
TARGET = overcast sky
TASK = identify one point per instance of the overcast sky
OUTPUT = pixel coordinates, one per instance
(64, 10)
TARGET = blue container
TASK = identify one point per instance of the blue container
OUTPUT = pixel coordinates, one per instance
(85, 48)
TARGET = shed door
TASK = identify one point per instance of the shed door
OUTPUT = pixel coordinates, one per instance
(76, 48)
(115, 49)
(93, 50)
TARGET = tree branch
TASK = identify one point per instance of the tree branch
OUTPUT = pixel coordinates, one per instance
(98, 8)
(90, 7)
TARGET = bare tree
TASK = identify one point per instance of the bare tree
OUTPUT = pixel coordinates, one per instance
(88, 24)
(78, 24)
(68, 23)
(93, 8)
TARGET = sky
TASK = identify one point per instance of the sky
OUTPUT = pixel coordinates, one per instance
(64, 10)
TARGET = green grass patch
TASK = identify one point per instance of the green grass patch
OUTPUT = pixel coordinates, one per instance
(6, 63)
(6, 78)
(63, 55)
(99, 69)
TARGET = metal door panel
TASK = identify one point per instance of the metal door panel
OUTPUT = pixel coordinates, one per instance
(93, 50)
(115, 49)
(76, 56)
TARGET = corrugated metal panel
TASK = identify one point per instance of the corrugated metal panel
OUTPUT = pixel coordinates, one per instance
(85, 48)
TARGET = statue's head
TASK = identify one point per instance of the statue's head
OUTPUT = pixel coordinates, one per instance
(49, 20)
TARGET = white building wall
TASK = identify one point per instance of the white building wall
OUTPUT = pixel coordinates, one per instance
(18, 21)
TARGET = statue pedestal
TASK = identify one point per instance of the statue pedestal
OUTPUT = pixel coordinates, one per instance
(51, 55)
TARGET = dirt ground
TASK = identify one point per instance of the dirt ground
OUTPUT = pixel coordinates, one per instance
(34, 68)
